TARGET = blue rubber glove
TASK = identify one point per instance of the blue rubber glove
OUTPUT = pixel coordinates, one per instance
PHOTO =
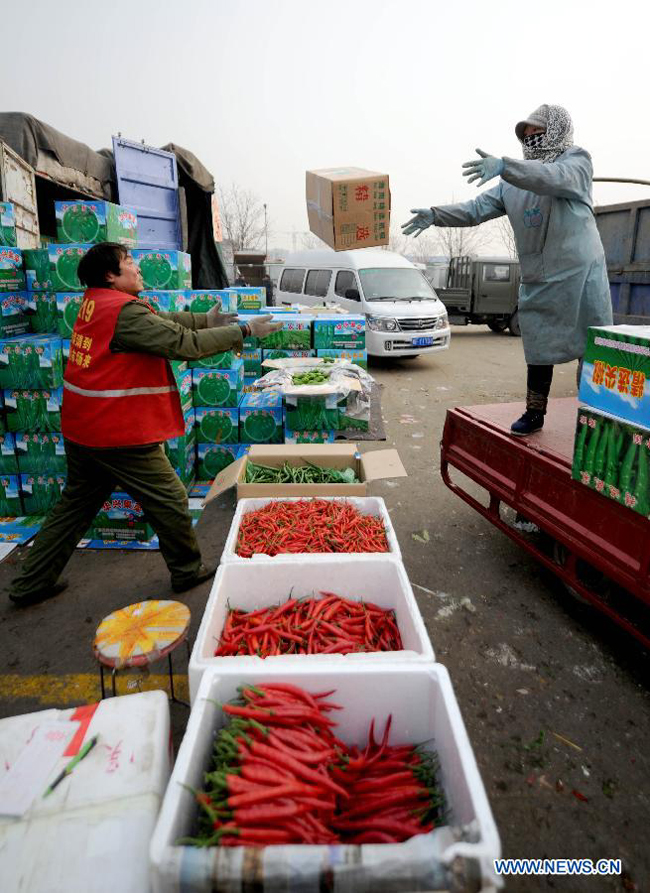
(424, 218)
(486, 168)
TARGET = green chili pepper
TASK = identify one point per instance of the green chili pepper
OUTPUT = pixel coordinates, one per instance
(625, 480)
(590, 455)
(641, 486)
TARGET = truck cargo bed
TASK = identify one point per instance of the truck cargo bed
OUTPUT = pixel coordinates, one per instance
(599, 548)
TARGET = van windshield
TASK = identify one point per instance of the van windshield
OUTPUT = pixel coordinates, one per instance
(386, 284)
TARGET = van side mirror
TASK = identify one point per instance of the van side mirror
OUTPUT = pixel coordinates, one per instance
(352, 294)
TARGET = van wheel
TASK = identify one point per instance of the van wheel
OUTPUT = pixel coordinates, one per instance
(513, 325)
(497, 325)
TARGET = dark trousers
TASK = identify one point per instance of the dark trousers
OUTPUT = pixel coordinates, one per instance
(146, 474)
(538, 385)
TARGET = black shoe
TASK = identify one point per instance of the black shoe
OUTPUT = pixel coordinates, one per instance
(204, 573)
(39, 595)
(532, 420)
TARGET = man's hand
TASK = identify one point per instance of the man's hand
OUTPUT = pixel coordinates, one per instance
(215, 317)
(483, 169)
(261, 326)
(424, 218)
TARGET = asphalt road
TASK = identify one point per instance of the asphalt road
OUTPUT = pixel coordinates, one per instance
(555, 699)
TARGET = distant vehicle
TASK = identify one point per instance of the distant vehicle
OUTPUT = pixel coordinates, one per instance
(483, 291)
(404, 317)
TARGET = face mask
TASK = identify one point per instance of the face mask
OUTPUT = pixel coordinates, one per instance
(534, 140)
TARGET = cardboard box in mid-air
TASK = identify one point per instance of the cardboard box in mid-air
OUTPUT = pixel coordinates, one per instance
(349, 207)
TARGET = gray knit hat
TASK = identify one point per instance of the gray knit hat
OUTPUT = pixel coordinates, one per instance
(538, 118)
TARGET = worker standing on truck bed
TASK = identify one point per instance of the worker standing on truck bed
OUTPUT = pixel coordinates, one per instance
(120, 403)
(547, 198)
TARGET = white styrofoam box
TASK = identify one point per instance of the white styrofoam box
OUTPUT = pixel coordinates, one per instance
(424, 709)
(367, 505)
(93, 831)
(253, 585)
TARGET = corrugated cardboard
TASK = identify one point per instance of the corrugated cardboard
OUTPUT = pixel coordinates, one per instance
(368, 467)
(349, 207)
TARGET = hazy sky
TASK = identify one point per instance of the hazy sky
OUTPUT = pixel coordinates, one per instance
(263, 91)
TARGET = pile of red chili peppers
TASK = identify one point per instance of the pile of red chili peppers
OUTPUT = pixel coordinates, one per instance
(328, 625)
(281, 776)
(315, 525)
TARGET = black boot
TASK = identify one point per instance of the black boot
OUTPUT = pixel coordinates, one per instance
(536, 402)
(532, 420)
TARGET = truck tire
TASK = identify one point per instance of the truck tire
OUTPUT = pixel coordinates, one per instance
(513, 325)
(497, 325)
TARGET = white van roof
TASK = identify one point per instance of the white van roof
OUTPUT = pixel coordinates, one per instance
(360, 259)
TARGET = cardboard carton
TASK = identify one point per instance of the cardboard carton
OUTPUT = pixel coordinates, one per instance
(349, 207)
(164, 269)
(213, 458)
(339, 332)
(7, 225)
(278, 354)
(216, 361)
(616, 372)
(368, 467)
(252, 363)
(12, 275)
(202, 300)
(295, 334)
(261, 418)
(36, 264)
(8, 458)
(64, 263)
(87, 220)
(217, 425)
(167, 301)
(249, 298)
(33, 410)
(41, 492)
(66, 310)
(14, 319)
(218, 387)
(308, 436)
(11, 504)
(358, 357)
(40, 453)
(31, 361)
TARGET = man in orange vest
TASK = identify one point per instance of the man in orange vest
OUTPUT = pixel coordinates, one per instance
(120, 403)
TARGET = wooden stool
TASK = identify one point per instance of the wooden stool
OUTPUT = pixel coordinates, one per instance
(139, 635)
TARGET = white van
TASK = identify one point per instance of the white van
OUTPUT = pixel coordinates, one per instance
(403, 314)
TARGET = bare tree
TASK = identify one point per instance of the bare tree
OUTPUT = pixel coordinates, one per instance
(505, 233)
(424, 247)
(242, 218)
(309, 242)
(455, 241)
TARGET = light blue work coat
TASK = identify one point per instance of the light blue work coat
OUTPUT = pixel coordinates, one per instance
(564, 287)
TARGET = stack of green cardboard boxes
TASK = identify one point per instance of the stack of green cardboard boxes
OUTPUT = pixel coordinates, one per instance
(612, 442)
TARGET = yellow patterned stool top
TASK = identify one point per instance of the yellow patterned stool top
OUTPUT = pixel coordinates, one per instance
(141, 634)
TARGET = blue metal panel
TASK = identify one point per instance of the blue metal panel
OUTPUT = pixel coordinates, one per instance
(147, 181)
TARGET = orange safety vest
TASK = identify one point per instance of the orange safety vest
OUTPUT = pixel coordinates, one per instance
(115, 399)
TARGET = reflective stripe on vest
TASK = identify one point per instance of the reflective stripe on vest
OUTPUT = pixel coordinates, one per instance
(125, 392)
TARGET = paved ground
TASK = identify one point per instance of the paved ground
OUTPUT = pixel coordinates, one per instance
(555, 700)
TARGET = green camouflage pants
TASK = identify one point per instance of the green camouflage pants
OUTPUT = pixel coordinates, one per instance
(146, 474)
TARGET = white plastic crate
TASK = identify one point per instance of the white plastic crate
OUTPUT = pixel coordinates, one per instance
(94, 830)
(424, 709)
(249, 586)
(367, 505)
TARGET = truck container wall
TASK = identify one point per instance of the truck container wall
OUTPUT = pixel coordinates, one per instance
(625, 233)
(18, 186)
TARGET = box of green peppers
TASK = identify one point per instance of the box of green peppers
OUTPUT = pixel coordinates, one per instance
(31, 361)
(163, 269)
(87, 220)
(183, 380)
(308, 436)
(13, 314)
(222, 360)
(164, 301)
(38, 273)
(213, 458)
(8, 458)
(41, 492)
(612, 457)
(66, 312)
(217, 425)
(41, 307)
(218, 387)
(11, 504)
(39, 452)
(64, 263)
(295, 334)
(33, 410)
(202, 300)
(7, 225)
(321, 414)
(121, 518)
(252, 363)
(261, 418)
(12, 275)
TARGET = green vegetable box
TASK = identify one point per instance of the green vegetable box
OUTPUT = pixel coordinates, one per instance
(7, 225)
(202, 300)
(11, 505)
(249, 298)
(12, 276)
(279, 354)
(31, 361)
(33, 410)
(321, 414)
(218, 387)
(40, 453)
(66, 311)
(183, 378)
(252, 363)
(213, 458)
(261, 418)
(358, 357)
(95, 221)
(41, 307)
(341, 332)
(14, 319)
(215, 361)
(165, 301)
(121, 518)
(295, 334)
(611, 457)
(217, 425)
(179, 448)
(186, 469)
(164, 269)
(41, 492)
(8, 458)
(616, 372)
(64, 264)
(38, 274)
